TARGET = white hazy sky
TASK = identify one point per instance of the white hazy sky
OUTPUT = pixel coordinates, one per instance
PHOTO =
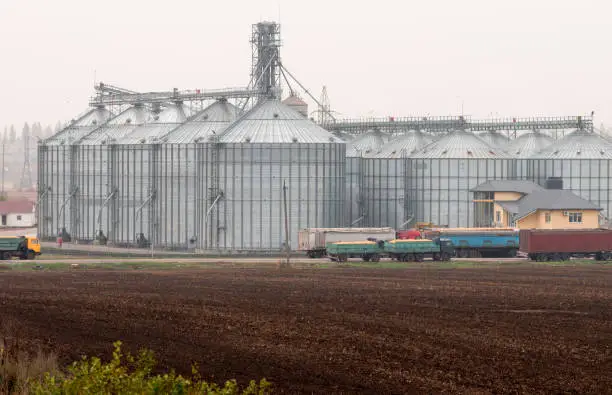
(511, 58)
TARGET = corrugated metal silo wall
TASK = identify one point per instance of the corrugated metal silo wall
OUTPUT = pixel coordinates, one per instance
(353, 208)
(383, 192)
(133, 171)
(438, 190)
(182, 190)
(92, 178)
(588, 178)
(250, 216)
(54, 188)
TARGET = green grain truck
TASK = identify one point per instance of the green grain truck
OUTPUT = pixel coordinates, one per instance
(23, 247)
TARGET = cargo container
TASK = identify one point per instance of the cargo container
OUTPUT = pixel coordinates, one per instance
(314, 240)
(563, 244)
(479, 242)
(23, 247)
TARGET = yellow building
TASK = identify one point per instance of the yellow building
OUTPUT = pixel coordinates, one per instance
(526, 205)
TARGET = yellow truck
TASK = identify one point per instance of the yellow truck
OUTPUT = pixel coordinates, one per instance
(22, 247)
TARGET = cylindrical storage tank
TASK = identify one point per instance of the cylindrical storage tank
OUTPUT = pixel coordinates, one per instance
(96, 160)
(525, 146)
(583, 161)
(141, 194)
(271, 146)
(184, 175)
(383, 175)
(369, 142)
(56, 185)
(440, 176)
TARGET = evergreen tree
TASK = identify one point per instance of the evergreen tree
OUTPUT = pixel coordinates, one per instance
(12, 134)
(25, 133)
(48, 132)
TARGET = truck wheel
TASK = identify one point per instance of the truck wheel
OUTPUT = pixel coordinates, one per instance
(375, 258)
(5, 256)
(512, 253)
(30, 255)
(445, 256)
(419, 257)
(342, 258)
(366, 258)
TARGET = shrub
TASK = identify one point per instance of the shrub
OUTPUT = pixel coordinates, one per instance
(133, 375)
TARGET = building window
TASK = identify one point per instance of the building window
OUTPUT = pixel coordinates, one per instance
(575, 218)
(498, 216)
(19, 218)
(547, 218)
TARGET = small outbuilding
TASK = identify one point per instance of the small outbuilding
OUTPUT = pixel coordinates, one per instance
(17, 214)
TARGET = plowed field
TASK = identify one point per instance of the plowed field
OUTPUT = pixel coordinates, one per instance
(520, 329)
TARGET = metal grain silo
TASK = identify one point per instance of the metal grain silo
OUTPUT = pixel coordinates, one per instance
(184, 175)
(140, 198)
(383, 180)
(583, 160)
(369, 142)
(270, 145)
(297, 104)
(56, 186)
(440, 175)
(94, 158)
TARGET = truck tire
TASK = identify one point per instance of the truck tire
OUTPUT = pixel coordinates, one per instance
(512, 253)
(6, 256)
(419, 257)
(30, 255)
(375, 258)
(366, 258)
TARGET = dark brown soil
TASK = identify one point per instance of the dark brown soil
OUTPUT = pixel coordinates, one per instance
(521, 329)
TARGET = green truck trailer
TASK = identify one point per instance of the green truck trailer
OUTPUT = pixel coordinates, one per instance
(400, 250)
(23, 247)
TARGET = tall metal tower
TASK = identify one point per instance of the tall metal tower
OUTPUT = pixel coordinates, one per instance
(324, 110)
(26, 173)
(266, 67)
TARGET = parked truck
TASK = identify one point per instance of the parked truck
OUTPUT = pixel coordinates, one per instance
(23, 247)
(563, 244)
(403, 250)
(314, 240)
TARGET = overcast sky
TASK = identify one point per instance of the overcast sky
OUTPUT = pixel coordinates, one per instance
(511, 58)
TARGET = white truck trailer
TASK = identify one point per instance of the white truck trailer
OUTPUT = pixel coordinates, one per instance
(314, 240)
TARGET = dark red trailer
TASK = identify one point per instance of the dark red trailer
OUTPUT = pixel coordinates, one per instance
(562, 244)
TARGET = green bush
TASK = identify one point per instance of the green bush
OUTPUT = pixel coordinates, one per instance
(132, 375)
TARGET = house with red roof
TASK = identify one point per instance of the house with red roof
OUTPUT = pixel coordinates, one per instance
(17, 214)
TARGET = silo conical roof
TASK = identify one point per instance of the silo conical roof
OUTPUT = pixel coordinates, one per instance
(366, 143)
(170, 118)
(528, 144)
(214, 118)
(495, 139)
(82, 126)
(459, 145)
(274, 122)
(578, 145)
(403, 145)
(118, 127)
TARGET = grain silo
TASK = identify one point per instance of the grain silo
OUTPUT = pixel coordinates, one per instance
(137, 182)
(440, 175)
(297, 104)
(96, 192)
(55, 174)
(271, 145)
(583, 161)
(383, 180)
(184, 175)
(368, 142)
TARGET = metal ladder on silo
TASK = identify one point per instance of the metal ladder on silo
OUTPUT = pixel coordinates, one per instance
(214, 194)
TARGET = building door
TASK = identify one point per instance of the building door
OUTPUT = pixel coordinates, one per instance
(4, 220)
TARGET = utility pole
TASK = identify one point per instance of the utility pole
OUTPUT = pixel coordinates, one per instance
(287, 244)
(3, 145)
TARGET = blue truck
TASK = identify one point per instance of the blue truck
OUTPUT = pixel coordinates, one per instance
(479, 242)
